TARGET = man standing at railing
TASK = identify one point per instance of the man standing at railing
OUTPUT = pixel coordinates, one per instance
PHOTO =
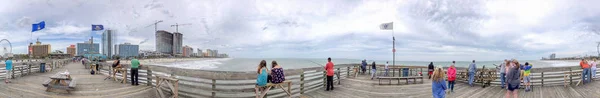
(135, 64)
(472, 70)
(503, 73)
(329, 69)
(586, 70)
(9, 67)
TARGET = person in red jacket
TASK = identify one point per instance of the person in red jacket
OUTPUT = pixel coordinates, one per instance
(329, 69)
(451, 76)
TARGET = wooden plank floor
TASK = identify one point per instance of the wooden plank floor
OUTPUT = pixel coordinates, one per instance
(364, 87)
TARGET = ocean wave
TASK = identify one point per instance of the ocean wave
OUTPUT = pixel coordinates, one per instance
(198, 64)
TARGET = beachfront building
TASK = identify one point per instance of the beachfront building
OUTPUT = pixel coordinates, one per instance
(88, 48)
(127, 50)
(199, 53)
(188, 51)
(215, 53)
(169, 43)
(71, 50)
(107, 41)
(39, 50)
(177, 43)
(208, 53)
(164, 42)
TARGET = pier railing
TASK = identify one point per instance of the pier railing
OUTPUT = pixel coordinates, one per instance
(196, 83)
(24, 67)
(548, 76)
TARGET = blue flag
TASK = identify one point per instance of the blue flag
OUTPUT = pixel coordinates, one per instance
(38, 26)
(97, 27)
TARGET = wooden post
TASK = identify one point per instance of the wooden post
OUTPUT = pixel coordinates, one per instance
(176, 89)
(213, 88)
(325, 79)
(149, 76)
(29, 69)
(302, 83)
(570, 76)
(338, 76)
(348, 72)
(393, 73)
(542, 78)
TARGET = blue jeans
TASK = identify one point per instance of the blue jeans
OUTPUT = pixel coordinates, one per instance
(451, 85)
(386, 72)
(373, 71)
(502, 79)
(585, 74)
(471, 77)
(594, 72)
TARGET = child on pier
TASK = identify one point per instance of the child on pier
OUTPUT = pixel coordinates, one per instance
(526, 77)
(438, 85)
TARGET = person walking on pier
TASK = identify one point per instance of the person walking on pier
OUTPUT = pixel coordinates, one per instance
(135, 64)
(330, 72)
(451, 76)
(472, 70)
(512, 76)
(373, 70)
(386, 68)
(9, 70)
(438, 85)
(503, 73)
(585, 74)
(430, 70)
(526, 77)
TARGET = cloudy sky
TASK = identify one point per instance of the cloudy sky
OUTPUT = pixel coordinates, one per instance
(425, 30)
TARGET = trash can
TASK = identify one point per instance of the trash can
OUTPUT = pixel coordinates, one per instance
(405, 72)
(42, 67)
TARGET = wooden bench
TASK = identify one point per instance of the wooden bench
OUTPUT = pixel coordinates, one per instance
(271, 85)
(400, 78)
(59, 81)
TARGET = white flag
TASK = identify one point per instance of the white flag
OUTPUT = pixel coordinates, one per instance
(387, 26)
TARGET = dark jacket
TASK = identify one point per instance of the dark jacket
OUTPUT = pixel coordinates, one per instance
(430, 67)
(373, 66)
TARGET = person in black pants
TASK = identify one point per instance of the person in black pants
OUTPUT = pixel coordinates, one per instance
(329, 68)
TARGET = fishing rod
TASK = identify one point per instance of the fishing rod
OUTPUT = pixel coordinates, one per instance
(316, 63)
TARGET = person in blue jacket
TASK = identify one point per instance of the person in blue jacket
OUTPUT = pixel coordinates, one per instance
(438, 84)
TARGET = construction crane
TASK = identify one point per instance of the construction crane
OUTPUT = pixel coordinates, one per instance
(155, 25)
(177, 26)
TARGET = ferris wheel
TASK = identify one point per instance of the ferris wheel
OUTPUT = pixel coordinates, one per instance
(7, 51)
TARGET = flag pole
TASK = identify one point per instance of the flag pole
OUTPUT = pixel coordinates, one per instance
(393, 47)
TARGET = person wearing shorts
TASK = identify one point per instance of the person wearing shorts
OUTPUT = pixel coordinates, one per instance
(526, 77)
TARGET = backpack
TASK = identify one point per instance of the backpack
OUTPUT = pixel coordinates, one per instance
(92, 72)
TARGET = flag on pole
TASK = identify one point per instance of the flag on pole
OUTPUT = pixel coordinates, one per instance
(38, 26)
(97, 27)
(387, 26)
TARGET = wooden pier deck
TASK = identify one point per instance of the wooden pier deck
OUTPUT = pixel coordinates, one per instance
(88, 86)
(363, 87)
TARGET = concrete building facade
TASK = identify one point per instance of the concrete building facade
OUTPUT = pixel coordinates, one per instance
(71, 50)
(188, 51)
(164, 42)
(127, 50)
(40, 50)
(87, 48)
(177, 43)
(107, 42)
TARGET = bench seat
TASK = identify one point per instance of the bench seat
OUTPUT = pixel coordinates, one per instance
(400, 78)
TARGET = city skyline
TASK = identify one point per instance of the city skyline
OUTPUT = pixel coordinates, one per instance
(424, 30)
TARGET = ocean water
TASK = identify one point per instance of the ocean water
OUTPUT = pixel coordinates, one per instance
(250, 64)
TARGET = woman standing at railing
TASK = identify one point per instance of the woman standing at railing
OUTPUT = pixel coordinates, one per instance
(277, 74)
(451, 76)
(9, 70)
(593, 63)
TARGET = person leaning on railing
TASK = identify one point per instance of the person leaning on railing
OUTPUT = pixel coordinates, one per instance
(135, 65)
(116, 66)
